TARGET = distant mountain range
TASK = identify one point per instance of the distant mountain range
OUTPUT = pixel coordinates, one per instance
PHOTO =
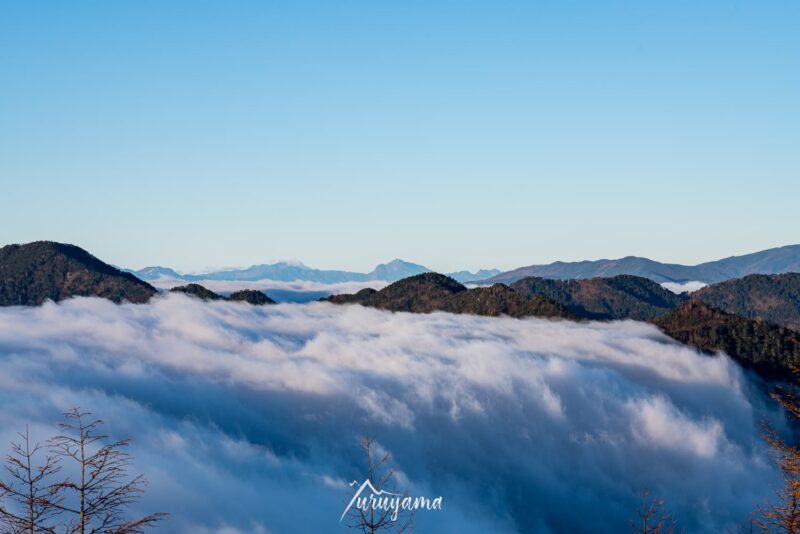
(773, 261)
(291, 272)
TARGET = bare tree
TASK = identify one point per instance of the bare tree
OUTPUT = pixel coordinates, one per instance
(651, 517)
(29, 487)
(783, 514)
(382, 478)
(104, 489)
(786, 395)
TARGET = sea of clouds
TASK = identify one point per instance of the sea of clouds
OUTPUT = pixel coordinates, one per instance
(247, 419)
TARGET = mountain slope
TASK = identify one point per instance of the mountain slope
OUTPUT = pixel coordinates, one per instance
(773, 298)
(396, 270)
(422, 293)
(251, 296)
(362, 297)
(467, 276)
(771, 261)
(658, 272)
(500, 299)
(197, 291)
(618, 297)
(766, 347)
(35, 272)
(154, 273)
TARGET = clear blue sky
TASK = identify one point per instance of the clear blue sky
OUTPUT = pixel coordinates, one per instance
(455, 134)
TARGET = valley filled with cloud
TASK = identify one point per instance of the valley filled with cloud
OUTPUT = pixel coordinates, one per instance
(247, 419)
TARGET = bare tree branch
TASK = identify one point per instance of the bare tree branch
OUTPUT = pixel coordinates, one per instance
(783, 513)
(382, 478)
(651, 518)
(34, 500)
(104, 490)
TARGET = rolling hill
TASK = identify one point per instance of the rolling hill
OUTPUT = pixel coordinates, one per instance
(618, 297)
(773, 298)
(250, 296)
(769, 349)
(500, 299)
(197, 291)
(35, 272)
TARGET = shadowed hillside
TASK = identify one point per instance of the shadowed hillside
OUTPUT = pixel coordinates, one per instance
(619, 297)
(35, 272)
(500, 299)
(422, 293)
(198, 291)
(361, 297)
(764, 346)
(251, 296)
(773, 298)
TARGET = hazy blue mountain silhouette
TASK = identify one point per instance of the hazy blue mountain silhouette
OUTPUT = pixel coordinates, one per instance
(771, 261)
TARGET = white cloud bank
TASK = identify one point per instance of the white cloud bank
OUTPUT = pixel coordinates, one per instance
(680, 287)
(246, 419)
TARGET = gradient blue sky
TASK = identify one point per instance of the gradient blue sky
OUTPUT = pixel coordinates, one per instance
(454, 134)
